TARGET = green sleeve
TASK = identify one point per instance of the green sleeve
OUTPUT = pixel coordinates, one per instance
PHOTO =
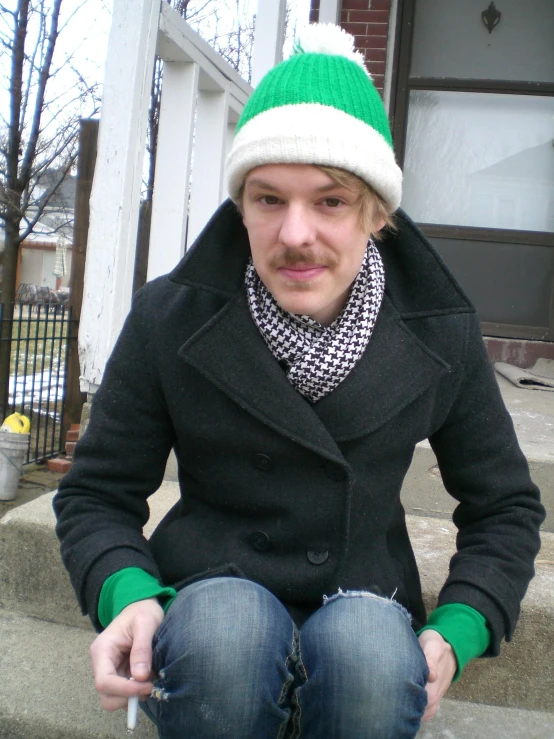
(128, 586)
(464, 628)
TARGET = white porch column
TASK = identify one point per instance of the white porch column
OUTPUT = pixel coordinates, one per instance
(173, 162)
(115, 199)
(329, 11)
(268, 38)
(209, 154)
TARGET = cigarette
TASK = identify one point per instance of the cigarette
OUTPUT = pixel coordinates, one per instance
(132, 710)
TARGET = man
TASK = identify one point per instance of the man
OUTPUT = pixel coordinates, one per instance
(292, 365)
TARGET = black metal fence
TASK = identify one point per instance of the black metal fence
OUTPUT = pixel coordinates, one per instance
(39, 346)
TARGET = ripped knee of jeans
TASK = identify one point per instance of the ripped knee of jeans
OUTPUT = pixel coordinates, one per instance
(159, 691)
(367, 594)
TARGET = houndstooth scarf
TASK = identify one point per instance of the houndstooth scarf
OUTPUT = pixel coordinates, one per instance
(318, 358)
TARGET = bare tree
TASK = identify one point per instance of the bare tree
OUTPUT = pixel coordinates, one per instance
(38, 139)
(38, 145)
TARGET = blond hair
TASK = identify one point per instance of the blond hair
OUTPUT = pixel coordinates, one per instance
(373, 208)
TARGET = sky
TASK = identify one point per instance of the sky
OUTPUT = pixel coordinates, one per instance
(86, 38)
(84, 27)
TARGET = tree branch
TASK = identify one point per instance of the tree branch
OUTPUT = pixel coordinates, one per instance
(39, 100)
(16, 86)
(43, 202)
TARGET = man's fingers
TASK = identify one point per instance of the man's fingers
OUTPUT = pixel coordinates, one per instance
(115, 702)
(433, 701)
(112, 686)
(126, 645)
(442, 666)
(432, 665)
(432, 672)
(430, 712)
(112, 702)
(140, 659)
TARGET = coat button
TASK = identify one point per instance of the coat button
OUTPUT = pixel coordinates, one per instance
(334, 472)
(317, 558)
(260, 541)
(263, 462)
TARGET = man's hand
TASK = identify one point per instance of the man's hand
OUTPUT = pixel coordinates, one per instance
(123, 648)
(442, 668)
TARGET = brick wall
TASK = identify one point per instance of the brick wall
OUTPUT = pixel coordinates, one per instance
(368, 22)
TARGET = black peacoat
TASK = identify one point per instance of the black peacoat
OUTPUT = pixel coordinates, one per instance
(303, 499)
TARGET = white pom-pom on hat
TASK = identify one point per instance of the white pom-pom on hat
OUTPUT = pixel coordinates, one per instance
(327, 38)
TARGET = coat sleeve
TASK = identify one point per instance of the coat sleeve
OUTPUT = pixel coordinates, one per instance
(499, 511)
(102, 505)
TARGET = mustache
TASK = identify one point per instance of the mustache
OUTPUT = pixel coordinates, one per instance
(289, 257)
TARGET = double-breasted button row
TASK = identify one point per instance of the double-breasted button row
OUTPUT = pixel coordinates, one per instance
(335, 472)
(317, 557)
(263, 462)
(261, 542)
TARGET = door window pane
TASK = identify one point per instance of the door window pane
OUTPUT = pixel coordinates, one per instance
(480, 159)
(450, 40)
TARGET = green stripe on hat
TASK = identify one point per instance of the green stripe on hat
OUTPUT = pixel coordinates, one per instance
(319, 107)
(320, 78)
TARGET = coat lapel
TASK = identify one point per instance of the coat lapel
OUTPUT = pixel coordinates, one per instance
(231, 353)
(395, 369)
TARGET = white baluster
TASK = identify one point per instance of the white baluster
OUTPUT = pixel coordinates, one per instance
(329, 11)
(209, 153)
(173, 164)
(269, 37)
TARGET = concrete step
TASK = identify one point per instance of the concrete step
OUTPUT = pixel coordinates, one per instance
(47, 686)
(465, 720)
(532, 412)
(33, 581)
(48, 693)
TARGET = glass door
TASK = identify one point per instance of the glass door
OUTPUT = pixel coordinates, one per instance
(474, 130)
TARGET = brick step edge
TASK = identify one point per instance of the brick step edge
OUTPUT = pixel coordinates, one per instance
(59, 464)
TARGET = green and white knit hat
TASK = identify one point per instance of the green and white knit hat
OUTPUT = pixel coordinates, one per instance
(318, 107)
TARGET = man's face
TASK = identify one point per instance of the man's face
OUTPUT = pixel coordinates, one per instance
(305, 235)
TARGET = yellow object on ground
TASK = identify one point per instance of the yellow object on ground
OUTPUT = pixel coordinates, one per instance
(17, 423)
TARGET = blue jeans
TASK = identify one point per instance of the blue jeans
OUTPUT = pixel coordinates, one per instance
(231, 663)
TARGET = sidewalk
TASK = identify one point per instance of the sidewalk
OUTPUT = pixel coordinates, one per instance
(36, 480)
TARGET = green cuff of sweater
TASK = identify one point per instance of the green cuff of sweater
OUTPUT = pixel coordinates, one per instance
(128, 586)
(464, 628)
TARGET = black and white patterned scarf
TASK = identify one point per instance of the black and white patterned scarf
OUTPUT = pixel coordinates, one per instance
(318, 358)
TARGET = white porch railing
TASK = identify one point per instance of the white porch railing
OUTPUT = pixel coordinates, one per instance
(202, 98)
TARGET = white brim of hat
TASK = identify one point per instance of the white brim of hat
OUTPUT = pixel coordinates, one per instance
(311, 133)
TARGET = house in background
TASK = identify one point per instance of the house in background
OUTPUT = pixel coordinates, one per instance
(38, 262)
(469, 87)
(44, 258)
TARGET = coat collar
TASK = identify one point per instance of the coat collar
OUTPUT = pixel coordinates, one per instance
(395, 369)
(417, 280)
